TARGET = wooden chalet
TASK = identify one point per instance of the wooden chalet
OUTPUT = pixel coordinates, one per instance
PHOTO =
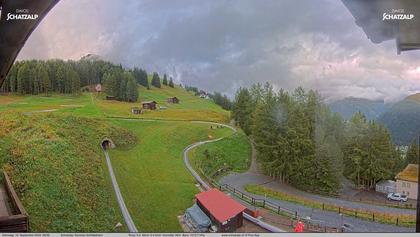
(149, 105)
(173, 100)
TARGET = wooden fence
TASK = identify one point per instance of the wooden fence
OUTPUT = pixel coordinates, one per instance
(19, 221)
(291, 216)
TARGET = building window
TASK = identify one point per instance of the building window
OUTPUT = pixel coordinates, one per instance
(407, 184)
(403, 184)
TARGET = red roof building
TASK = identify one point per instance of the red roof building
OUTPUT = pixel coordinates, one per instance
(222, 209)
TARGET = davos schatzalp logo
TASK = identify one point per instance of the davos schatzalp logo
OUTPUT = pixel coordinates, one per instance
(21, 14)
(397, 14)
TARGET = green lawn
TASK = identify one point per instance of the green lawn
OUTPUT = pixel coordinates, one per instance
(57, 168)
(83, 105)
(92, 105)
(153, 179)
(230, 154)
(190, 107)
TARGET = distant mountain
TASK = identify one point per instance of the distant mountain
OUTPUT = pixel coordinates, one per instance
(403, 119)
(348, 106)
(91, 57)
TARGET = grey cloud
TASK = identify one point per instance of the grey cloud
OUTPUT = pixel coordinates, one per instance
(222, 45)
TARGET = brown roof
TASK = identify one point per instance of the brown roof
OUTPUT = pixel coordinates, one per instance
(149, 102)
(409, 173)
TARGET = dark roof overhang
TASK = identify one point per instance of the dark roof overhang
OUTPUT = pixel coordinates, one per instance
(15, 32)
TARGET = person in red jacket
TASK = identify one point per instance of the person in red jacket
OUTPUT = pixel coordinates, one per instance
(299, 226)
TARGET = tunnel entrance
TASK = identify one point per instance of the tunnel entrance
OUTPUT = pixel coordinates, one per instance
(107, 144)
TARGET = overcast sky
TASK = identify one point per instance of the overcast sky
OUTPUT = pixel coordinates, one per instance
(223, 45)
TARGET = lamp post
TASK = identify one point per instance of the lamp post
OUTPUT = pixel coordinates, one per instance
(418, 192)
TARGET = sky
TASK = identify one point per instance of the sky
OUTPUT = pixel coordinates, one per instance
(221, 45)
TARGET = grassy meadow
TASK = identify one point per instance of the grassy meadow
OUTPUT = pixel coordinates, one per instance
(216, 159)
(153, 179)
(50, 147)
(190, 107)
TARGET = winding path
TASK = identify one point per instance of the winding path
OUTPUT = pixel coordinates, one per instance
(240, 180)
(204, 184)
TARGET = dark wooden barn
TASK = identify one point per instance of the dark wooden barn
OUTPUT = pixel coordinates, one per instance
(149, 105)
(225, 212)
(173, 100)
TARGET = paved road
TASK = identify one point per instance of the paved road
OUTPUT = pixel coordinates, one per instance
(328, 218)
(130, 224)
(254, 178)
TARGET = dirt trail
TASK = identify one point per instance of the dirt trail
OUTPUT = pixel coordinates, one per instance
(254, 167)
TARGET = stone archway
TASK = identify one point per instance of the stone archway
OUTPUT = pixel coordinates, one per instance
(107, 143)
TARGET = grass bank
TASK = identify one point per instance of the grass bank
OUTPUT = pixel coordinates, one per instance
(59, 172)
(218, 158)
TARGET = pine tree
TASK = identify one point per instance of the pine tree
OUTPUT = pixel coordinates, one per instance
(44, 79)
(242, 109)
(22, 78)
(412, 153)
(156, 80)
(132, 91)
(74, 82)
(171, 83)
(165, 80)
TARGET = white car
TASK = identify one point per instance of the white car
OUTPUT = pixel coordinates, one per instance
(397, 197)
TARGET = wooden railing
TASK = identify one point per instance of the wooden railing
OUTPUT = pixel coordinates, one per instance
(19, 221)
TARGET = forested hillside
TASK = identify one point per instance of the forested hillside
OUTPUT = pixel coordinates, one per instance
(402, 119)
(349, 106)
(301, 142)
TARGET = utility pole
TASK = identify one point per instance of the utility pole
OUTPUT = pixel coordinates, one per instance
(418, 192)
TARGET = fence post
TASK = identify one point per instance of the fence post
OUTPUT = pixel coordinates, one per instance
(278, 210)
(373, 216)
(242, 195)
(264, 203)
(356, 213)
(397, 220)
(339, 210)
(325, 229)
(234, 190)
(253, 201)
(295, 214)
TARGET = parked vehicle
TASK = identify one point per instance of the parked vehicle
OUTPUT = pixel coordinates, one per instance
(397, 197)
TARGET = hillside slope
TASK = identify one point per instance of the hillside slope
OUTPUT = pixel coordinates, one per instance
(58, 170)
(348, 106)
(403, 119)
(191, 107)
